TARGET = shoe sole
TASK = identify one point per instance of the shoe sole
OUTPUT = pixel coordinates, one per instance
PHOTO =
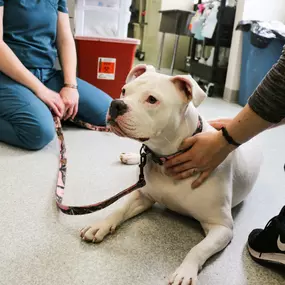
(275, 258)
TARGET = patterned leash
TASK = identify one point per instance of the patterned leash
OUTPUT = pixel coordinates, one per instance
(59, 193)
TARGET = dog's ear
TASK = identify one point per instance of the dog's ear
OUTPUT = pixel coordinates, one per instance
(189, 88)
(139, 70)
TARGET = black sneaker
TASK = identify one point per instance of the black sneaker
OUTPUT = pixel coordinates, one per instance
(269, 244)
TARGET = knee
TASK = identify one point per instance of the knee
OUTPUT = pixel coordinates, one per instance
(41, 136)
(92, 109)
(37, 135)
(44, 136)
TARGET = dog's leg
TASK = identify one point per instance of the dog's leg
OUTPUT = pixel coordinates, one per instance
(217, 238)
(136, 204)
(130, 158)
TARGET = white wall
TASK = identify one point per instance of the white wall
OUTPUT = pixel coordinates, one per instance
(177, 4)
(151, 35)
(232, 80)
(263, 10)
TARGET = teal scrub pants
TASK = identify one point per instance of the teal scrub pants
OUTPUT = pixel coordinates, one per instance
(26, 122)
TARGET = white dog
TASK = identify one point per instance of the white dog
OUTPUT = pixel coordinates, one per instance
(160, 111)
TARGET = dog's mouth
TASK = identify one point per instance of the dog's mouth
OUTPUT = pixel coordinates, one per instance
(116, 129)
(142, 139)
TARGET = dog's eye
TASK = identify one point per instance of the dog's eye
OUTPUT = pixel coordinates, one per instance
(151, 100)
(123, 91)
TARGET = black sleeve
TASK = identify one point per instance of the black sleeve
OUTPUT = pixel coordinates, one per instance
(268, 100)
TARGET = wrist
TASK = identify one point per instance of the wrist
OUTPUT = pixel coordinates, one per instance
(70, 85)
(70, 80)
(223, 144)
(39, 88)
(229, 138)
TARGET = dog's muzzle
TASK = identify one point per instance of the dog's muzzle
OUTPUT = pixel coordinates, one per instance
(117, 108)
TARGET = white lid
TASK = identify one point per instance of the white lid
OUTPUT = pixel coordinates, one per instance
(110, 40)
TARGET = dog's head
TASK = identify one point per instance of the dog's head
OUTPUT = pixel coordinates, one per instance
(151, 102)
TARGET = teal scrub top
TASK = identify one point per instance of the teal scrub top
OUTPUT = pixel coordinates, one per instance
(29, 29)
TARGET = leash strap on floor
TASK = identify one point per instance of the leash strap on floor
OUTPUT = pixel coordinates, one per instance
(59, 193)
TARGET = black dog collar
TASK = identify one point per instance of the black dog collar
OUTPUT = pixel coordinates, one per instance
(161, 159)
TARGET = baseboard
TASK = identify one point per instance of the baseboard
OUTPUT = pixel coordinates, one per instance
(230, 95)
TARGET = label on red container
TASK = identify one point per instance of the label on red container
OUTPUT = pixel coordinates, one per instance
(106, 68)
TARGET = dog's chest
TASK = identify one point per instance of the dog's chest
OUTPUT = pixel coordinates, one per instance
(175, 195)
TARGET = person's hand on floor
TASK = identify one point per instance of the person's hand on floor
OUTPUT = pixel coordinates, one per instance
(70, 98)
(208, 150)
(52, 100)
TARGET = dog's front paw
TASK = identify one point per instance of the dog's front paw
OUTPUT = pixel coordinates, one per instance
(130, 158)
(186, 274)
(98, 231)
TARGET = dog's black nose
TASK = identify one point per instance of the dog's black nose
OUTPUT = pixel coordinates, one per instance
(118, 108)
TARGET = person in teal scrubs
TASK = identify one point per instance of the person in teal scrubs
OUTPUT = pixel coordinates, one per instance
(32, 34)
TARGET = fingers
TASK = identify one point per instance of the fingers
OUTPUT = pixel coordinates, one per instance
(181, 158)
(215, 121)
(191, 172)
(176, 170)
(218, 124)
(75, 110)
(60, 106)
(188, 142)
(186, 174)
(202, 177)
(222, 120)
(69, 112)
(53, 101)
(55, 109)
(184, 157)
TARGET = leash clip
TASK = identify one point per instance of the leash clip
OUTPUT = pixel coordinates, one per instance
(143, 158)
(153, 156)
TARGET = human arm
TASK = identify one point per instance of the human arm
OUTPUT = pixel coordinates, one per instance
(265, 108)
(219, 123)
(210, 149)
(282, 122)
(11, 66)
(68, 60)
